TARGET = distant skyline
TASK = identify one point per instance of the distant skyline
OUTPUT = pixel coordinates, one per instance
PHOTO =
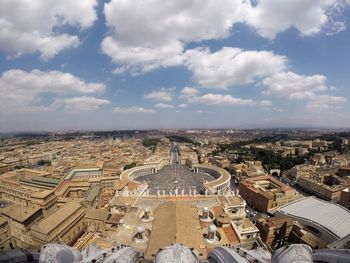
(152, 64)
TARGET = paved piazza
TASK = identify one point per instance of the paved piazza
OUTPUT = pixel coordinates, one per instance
(175, 177)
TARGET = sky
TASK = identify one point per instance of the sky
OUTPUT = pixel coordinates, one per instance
(159, 64)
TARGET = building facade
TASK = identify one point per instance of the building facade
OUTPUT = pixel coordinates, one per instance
(266, 194)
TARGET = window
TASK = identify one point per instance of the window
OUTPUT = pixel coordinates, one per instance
(234, 211)
(313, 230)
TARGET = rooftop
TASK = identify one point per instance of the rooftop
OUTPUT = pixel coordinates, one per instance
(97, 214)
(41, 194)
(19, 213)
(72, 172)
(55, 219)
(93, 192)
(173, 223)
(266, 184)
(333, 217)
(46, 180)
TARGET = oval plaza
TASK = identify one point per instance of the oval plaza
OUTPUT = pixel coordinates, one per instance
(179, 176)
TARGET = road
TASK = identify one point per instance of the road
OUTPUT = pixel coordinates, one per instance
(174, 157)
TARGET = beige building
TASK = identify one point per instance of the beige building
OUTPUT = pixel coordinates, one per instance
(4, 168)
(266, 193)
(45, 199)
(299, 171)
(20, 219)
(345, 198)
(4, 234)
(328, 187)
(301, 235)
(34, 159)
(150, 223)
(247, 169)
(13, 190)
(270, 227)
(64, 224)
(220, 162)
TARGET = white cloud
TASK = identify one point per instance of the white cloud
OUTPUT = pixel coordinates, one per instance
(148, 34)
(192, 96)
(270, 17)
(164, 105)
(141, 59)
(325, 102)
(294, 86)
(164, 94)
(232, 66)
(47, 81)
(160, 22)
(188, 92)
(219, 99)
(23, 91)
(133, 109)
(80, 104)
(301, 87)
(182, 105)
(28, 27)
(265, 103)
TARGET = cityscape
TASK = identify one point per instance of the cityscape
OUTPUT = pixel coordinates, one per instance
(145, 196)
(174, 131)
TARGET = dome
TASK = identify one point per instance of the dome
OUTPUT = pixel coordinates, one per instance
(176, 254)
(297, 253)
(58, 253)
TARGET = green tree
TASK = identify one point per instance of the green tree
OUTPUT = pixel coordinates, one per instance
(129, 166)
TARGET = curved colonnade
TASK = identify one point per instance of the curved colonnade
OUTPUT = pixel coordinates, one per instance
(221, 182)
(222, 177)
